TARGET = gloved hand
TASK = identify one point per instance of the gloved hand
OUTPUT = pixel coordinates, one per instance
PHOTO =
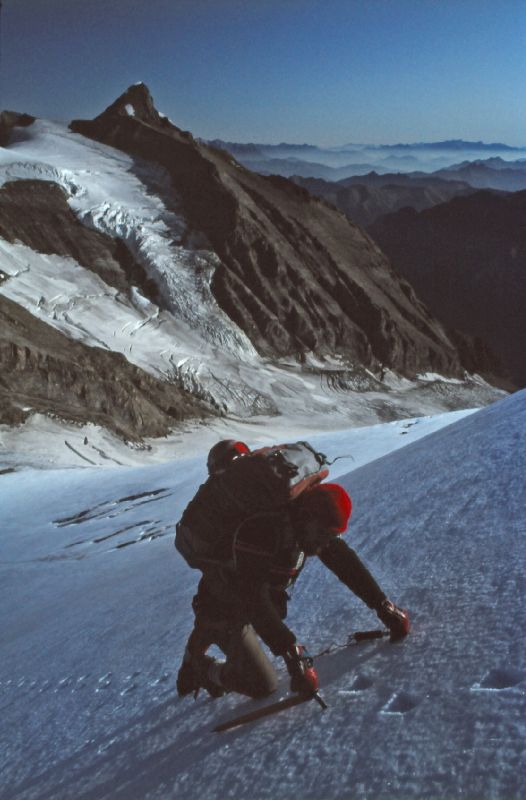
(303, 675)
(394, 618)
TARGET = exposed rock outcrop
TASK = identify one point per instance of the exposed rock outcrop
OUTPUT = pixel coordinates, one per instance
(478, 357)
(10, 120)
(296, 275)
(467, 260)
(42, 370)
(37, 214)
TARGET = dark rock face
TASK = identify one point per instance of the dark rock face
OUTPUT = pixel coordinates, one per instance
(467, 260)
(36, 213)
(478, 357)
(44, 370)
(10, 120)
(296, 274)
(364, 202)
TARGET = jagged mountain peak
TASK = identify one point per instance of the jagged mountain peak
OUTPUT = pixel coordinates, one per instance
(136, 102)
(294, 275)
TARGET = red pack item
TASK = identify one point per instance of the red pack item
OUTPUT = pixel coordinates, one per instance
(303, 675)
(329, 503)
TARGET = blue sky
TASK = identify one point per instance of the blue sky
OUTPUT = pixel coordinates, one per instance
(329, 73)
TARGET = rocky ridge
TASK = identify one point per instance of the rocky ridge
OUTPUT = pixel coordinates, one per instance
(37, 214)
(366, 198)
(295, 274)
(42, 370)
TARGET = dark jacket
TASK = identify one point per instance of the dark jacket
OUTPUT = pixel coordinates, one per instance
(268, 558)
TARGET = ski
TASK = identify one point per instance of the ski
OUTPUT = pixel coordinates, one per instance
(267, 711)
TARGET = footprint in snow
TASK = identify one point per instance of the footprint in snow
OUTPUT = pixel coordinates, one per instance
(498, 679)
(128, 689)
(162, 679)
(360, 684)
(104, 682)
(400, 703)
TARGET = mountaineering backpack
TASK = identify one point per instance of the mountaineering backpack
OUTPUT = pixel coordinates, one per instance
(261, 482)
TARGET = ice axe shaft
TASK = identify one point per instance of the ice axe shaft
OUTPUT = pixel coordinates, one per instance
(319, 699)
(363, 636)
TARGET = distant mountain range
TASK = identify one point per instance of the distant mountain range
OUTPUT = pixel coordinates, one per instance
(335, 164)
(363, 199)
(494, 173)
(467, 259)
(451, 144)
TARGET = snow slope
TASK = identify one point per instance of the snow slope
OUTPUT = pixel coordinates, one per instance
(95, 606)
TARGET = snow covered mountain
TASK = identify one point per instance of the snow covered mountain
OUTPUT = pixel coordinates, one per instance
(96, 610)
(206, 291)
(294, 275)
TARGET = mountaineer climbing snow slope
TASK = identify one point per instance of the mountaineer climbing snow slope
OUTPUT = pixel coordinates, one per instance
(95, 619)
(250, 530)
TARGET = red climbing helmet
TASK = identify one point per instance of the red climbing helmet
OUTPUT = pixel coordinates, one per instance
(329, 504)
(223, 453)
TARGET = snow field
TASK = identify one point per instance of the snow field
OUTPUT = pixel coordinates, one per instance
(93, 633)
